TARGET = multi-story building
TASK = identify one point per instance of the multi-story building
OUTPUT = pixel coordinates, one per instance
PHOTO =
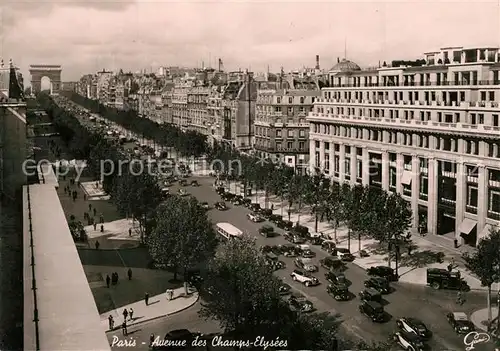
(116, 95)
(281, 128)
(166, 101)
(215, 113)
(180, 103)
(197, 101)
(103, 85)
(430, 132)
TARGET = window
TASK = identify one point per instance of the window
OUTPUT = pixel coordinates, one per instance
(290, 110)
(302, 133)
(302, 100)
(472, 195)
(279, 100)
(494, 201)
(290, 133)
(492, 96)
(483, 96)
(495, 120)
(290, 100)
(278, 133)
(302, 109)
(301, 145)
(277, 109)
(278, 146)
(289, 145)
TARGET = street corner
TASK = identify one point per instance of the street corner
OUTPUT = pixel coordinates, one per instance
(480, 318)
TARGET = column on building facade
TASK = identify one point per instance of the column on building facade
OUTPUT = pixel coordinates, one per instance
(331, 160)
(385, 170)
(354, 165)
(432, 197)
(342, 163)
(366, 166)
(482, 197)
(322, 156)
(312, 155)
(399, 172)
(461, 191)
(415, 189)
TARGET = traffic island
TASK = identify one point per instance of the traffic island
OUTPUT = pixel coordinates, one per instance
(480, 319)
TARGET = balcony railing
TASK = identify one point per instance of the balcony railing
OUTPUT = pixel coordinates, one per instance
(420, 84)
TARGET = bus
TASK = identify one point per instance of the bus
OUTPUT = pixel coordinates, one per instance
(228, 231)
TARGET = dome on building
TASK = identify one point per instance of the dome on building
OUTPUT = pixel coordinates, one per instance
(345, 66)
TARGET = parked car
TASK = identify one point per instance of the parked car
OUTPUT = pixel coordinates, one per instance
(301, 230)
(290, 250)
(227, 196)
(274, 261)
(176, 338)
(439, 278)
(255, 207)
(339, 292)
(294, 238)
(254, 217)
(370, 294)
(409, 341)
(205, 205)
(266, 213)
(304, 277)
(344, 254)
(274, 218)
(384, 272)
(195, 183)
(246, 202)
(415, 326)
(332, 263)
(182, 182)
(285, 289)
(373, 310)
(329, 246)
(221, 206)
(316, 238)
(266, 231)
(300, 304)
(336, 278)
(271, 248)
(305, 264)
(460, 322)
(283, 224)
(220, 190)
(237, 200)
(305, 251)
(378, 283)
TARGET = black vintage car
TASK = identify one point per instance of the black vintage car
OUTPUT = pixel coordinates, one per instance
(333, 263)
(290, 250)
(227, 196)
(285, 289)
(246, 202)
(384, 272)
(373, 310)
(439, 278)
(301, 230)
(336, 278)
(378, 283)
(266, 213)
(195, 183)
(255, 207)
(340, 292)
(182, 182)
(177, 340)
(274, 261)
(460, 322)
(271, 249)
(221, 206)
(267, 231)
(237, 200)
(220, 190)
(370, 294)
(284, 224)
(294, 238)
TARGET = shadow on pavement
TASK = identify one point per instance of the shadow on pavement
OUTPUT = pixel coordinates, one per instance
(134, 258)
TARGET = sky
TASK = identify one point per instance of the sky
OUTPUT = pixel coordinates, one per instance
(87, 36)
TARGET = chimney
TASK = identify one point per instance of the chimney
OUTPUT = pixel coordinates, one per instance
(317, 61)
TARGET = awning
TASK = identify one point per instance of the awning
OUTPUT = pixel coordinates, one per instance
(485, 232)
(467, 225)
(406, 178)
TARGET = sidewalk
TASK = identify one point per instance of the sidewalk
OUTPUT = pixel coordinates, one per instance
(115, 230)
(412, 268)
(159, 306)
(480, 317)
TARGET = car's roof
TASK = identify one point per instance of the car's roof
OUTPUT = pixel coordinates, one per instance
(385, 268)
(460, 316)
(178, 332)
(413, 320)
(343, 249)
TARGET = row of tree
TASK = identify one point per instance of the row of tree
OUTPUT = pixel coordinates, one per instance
(238, 289)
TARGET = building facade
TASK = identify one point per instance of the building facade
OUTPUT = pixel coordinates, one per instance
(103, 86)
(180, 104)
(215, 114)
(429, 132)
(197, 102)
(281, 127)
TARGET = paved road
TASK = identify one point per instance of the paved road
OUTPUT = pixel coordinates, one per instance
(408, 300)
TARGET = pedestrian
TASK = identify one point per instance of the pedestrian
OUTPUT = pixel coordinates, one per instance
(452, 262)
(151, 339)
(409, 250)
(85, 214)
(272, 207)
(124, 328)
(102, 228)
(125, 314)
(108, 280)
(450, 268)
(65, 190)
(97, 244)
(95, 212)
(129, 273)
(90, 208)
(95, 226)
(111, 322)
(146, 299)
(131, 313)
(116, 277)
(102, 218)
(129, 231)
(459, 298)
(84, 197)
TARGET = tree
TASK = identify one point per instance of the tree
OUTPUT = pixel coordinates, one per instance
(183, 236)
(333, 207)
(240, 291)
(485, 263)
(315, 195)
